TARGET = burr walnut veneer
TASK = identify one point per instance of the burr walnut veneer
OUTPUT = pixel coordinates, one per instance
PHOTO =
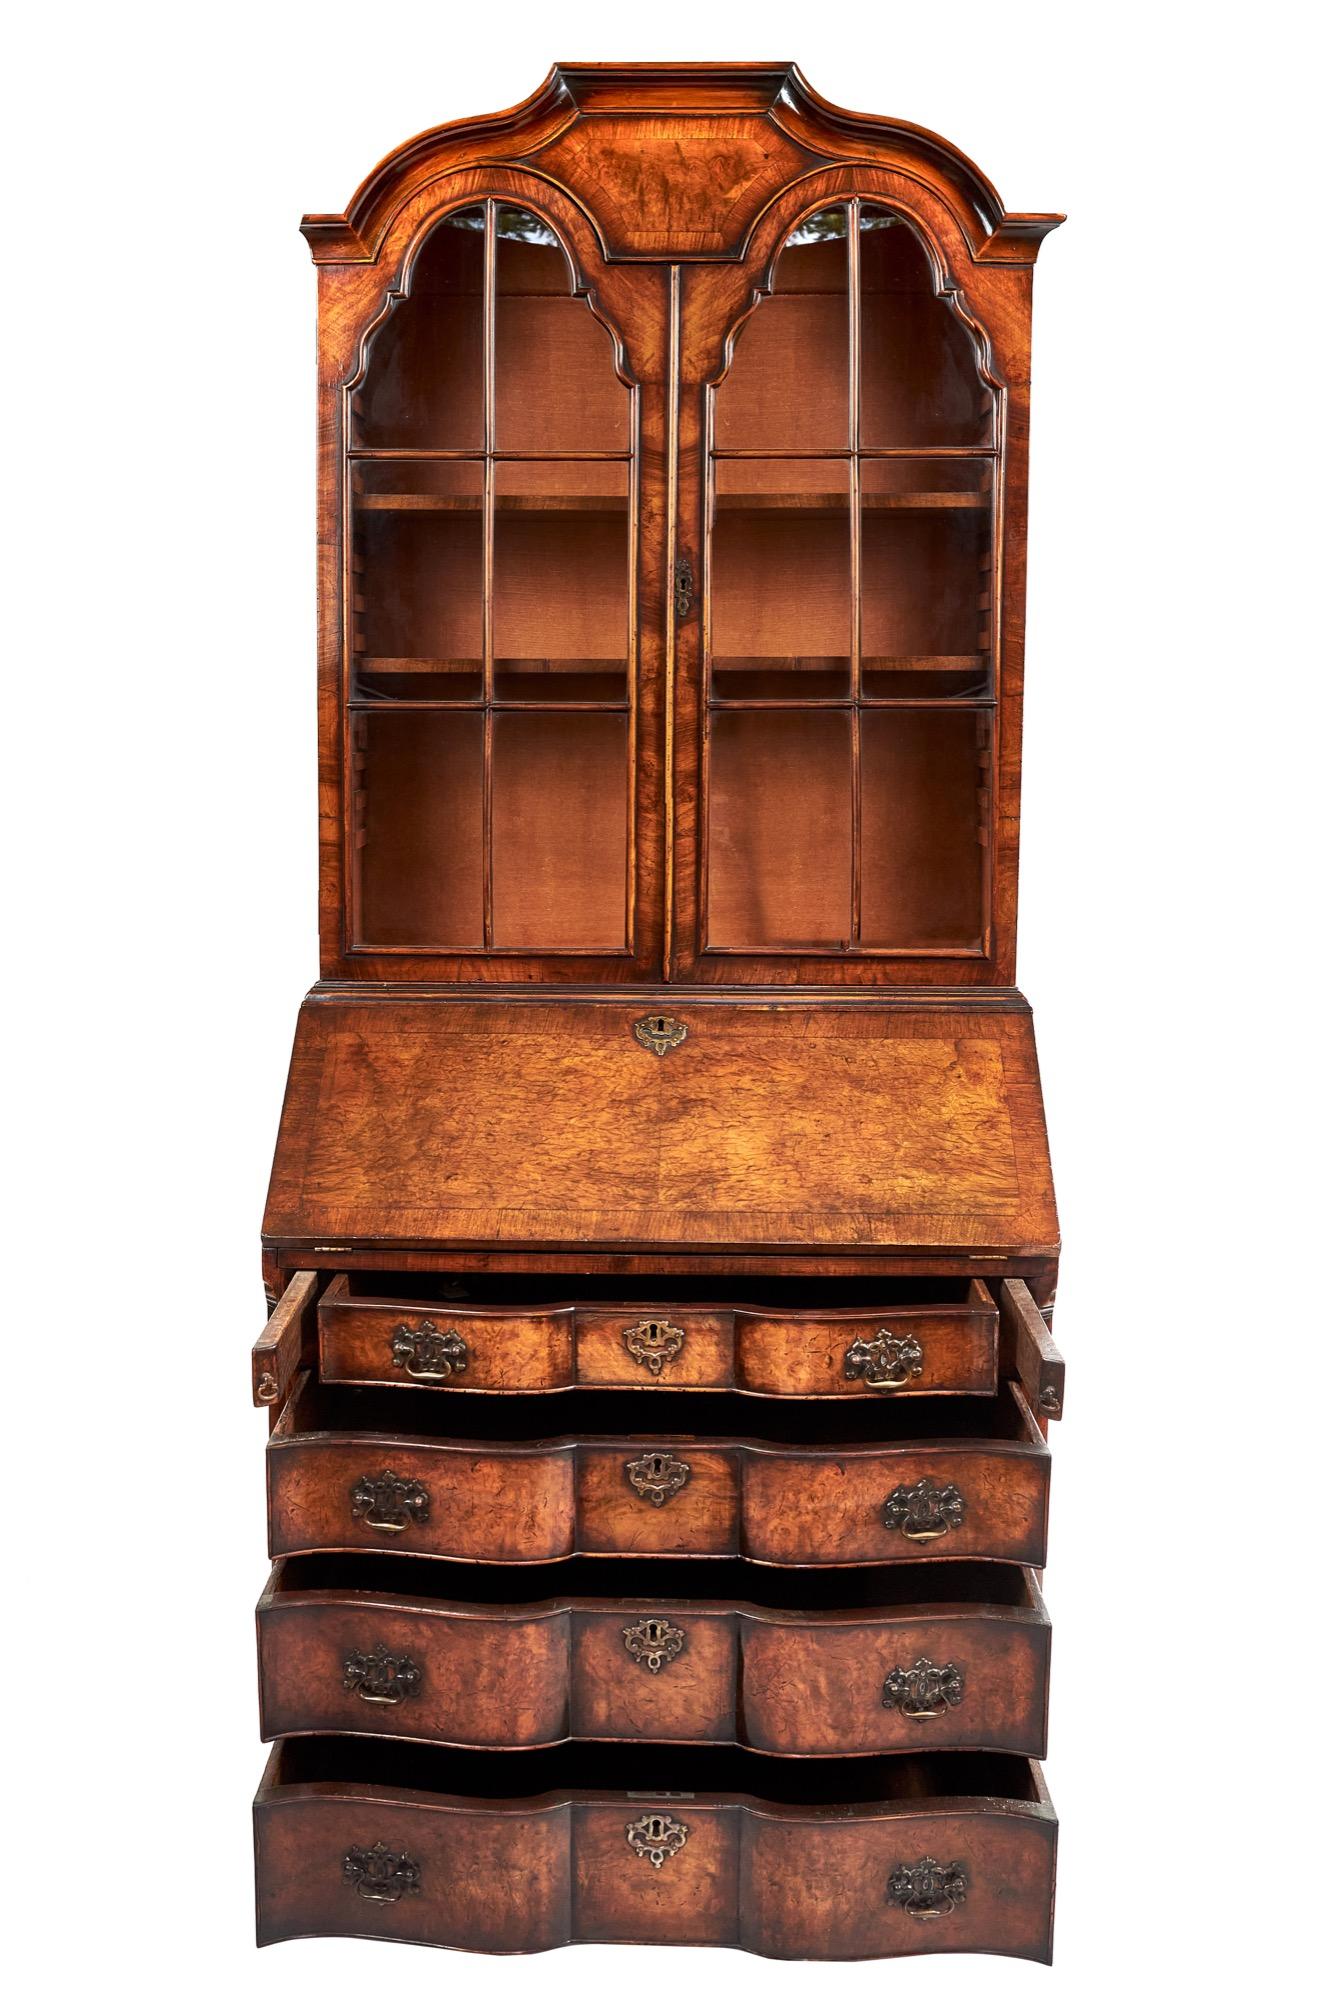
(661, 1243)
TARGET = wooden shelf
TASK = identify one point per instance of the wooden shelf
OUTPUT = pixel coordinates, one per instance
(928, 663)
(776, 704)
(577, 664)
(924, 503)
(505, 503)
(476, 705)
(377, 664)
(871, 503)
(771, 663)
(618, 503)
(935, 663)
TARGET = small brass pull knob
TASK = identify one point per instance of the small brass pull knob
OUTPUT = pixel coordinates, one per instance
(925, 1511)
(266, 1388)
(427, 1354)
(888, 1361)
(388, 1503)
(927, 1889)
(923, 1691)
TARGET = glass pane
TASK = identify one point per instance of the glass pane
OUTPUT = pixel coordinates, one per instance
(417, 854)
(779, 828)
(925, 569)
(417, 578)
(423, 381)
(781, 603)
(556, 387)
(919, 379)
(787, 386)
(559, 830)
(561, 575)
(923, 781)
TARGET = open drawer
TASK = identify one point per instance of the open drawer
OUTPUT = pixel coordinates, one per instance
(783, 1337)
(709, 1474)
(951, 1656)
(880, 1858)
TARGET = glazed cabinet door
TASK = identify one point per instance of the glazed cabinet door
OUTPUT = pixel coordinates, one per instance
(842, 450)
(491, 531)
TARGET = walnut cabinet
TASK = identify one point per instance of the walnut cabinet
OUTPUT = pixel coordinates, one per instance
(661, 1245)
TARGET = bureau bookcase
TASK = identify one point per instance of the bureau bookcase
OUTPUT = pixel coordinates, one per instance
(661, 1246)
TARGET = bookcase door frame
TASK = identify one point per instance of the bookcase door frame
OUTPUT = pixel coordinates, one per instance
(857, 751)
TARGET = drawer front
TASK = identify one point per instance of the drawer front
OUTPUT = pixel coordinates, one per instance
(366, 1867)
(589, 1497)
(941, 1881)
(443, 1347)
(493, 1495)
(925, 1351)
(929, 1875)
(655, 1674)
(961, 1681)
(534, 1676)
(422, 1499)
(980, 1500)
(952, 1351)
(635, 1347)
(373, 1668)
(672, 1499)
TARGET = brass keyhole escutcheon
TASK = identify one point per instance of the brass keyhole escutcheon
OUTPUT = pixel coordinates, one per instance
(654, 1342)
(657, 1477)
(660, 1032)
(653, 1642)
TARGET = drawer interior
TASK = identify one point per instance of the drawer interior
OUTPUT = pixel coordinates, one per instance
(701, 1414)
(660, 1772)
(538, 1289)
(884, 1589)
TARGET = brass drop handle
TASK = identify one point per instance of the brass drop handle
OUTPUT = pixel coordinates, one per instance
(427, 1354)
(923, 1691)
(928, 1889)
(684, 586)
(888, 1361)
(388, 1503)
(924, 1512)
(381, 1677)
(380, 1875)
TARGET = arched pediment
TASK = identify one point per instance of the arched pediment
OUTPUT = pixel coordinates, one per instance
(655, 194)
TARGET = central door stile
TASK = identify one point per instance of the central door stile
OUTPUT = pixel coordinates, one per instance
(670, 602)
(695, 318)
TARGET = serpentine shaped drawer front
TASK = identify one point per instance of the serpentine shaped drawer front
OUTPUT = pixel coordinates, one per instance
(478, 1480)
(377, 1840)
(940, 1656)
(915, 1350)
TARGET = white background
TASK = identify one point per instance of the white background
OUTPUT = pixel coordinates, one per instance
(160, 907)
